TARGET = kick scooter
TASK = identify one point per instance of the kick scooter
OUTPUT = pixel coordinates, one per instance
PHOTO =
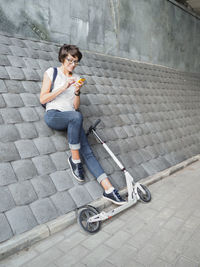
(89, 217)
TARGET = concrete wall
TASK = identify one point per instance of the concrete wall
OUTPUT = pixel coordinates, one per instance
(155, 31)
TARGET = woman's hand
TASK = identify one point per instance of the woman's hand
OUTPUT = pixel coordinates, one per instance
(78, 86)
(69, 82)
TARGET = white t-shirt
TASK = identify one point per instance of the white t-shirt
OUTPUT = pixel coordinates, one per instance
(64, 101)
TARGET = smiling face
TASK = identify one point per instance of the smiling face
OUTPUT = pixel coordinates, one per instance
(70, 63)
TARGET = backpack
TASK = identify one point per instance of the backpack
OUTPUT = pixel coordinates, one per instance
(55, 71)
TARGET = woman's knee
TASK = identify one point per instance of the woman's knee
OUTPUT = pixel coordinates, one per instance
(77, 117)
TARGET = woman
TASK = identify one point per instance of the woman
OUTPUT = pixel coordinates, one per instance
(62, 104)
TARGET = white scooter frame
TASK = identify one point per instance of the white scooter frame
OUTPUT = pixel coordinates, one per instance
(136, 191)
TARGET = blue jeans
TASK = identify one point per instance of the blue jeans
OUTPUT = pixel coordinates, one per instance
(72, 122)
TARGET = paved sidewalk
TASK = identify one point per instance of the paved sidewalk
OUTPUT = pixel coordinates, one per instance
(162, 233)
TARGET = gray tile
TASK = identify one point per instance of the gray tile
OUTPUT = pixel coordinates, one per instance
(7, 175)
(44, 210)
(14, 86)
(7, 201)
(26, 130)
(24, 169)
(31, 74)
(62, 180)
(30, 100)
(16, 61)
(3, 73)
(15, 73)
(28, 114)
(43, 186)
(11, 115)
(5, 230)
(60, 160)
(21, 219)
(8, 152)
(8, 133)
(13, 100)
(5, 49)
(44, 145)
(94, 189)
(4, 60)
(26, 148)
(23, 193)
(63, 202)
(44, 164)
(80, 195)
(3, 88)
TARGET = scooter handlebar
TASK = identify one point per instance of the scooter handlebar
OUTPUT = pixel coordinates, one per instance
(93, 127)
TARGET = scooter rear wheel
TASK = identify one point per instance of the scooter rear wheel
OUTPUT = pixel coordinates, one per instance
(144, 197)
(83, 215)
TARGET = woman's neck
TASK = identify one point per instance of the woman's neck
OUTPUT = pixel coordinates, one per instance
(65, 72)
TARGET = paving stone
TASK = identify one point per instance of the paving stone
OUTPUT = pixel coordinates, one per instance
(5, 230)
(43, 186)
(3, 73)
(31, 87)
(26, 130)
(44, 165)
(31, 75)
(16, 61)
(4, 61)
(120, 132)
(44, 210)
(7, 175)
(60, 143)
(80, 195)
(60, 160)
(62, 180)
(30, 100)
(63, 202)
(11, 115)
(18, 51)
(23, 193)
(7, 201)
(13, 100)
(14, 86)
(15, 73)
(8, 133)
(2, 102)
(28, 114)
(4, 49)
(44, 145)
(94, 189)
(24, 169)
(42, 129)
(21, 219)
(8, 152)
(26, 148)
(31, 63)
(3, 88)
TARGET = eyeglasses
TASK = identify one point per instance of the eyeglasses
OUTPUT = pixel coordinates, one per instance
(75, 62)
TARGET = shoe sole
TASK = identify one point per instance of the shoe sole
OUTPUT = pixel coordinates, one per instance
(74, 174)
(115, 202)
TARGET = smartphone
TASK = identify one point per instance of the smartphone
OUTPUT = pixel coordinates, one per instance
(81, 80)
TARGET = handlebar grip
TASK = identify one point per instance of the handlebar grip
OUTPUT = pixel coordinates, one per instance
(93, 127)
(96, 123)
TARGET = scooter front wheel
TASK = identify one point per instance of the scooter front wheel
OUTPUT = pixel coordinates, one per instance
(83, 215)
(144, 197)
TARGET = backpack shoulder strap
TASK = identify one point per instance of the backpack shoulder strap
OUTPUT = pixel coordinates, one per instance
(55, 71)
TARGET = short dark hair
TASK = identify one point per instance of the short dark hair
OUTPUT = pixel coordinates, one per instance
(65, 50)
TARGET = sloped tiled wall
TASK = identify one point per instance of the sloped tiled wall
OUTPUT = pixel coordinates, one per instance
(149, 114)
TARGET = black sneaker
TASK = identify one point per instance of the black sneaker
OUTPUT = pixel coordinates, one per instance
(114, 197)
(77, 170)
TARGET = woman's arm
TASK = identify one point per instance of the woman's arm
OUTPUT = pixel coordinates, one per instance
(46, 95)
(77, 95)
